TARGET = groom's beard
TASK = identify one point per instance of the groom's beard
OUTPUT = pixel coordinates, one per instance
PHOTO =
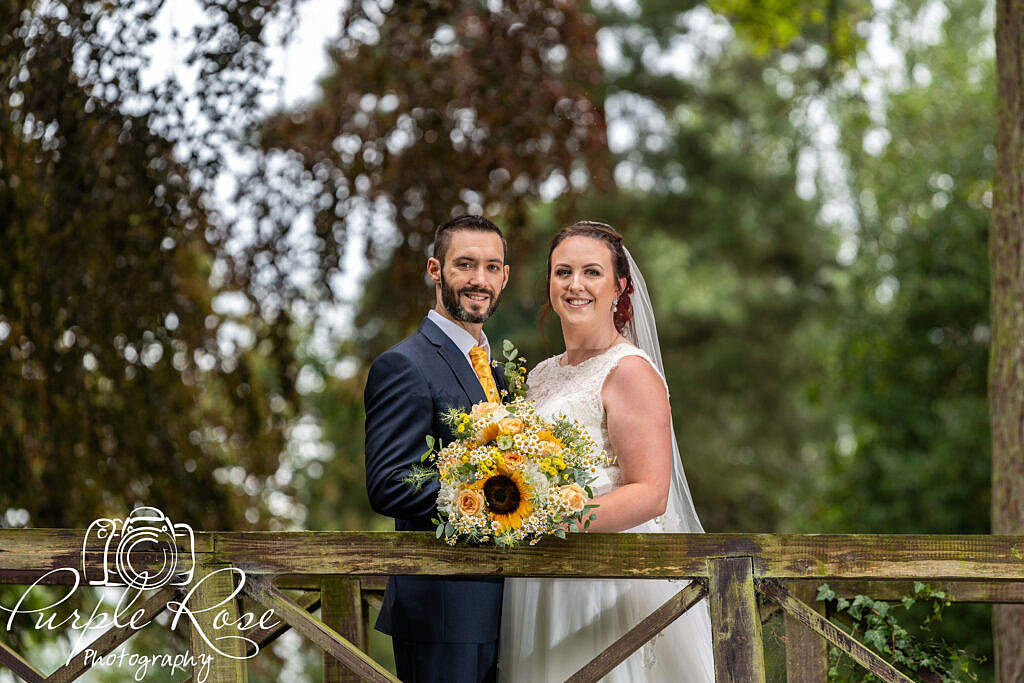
(450, 300)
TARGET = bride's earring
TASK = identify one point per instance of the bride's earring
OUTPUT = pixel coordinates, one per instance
(615, 304)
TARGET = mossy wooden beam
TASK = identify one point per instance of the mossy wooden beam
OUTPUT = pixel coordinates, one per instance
(826, 629)
(634, 639)
(633, 555)
(32, 552)
(735, 625)
(210, 604)
(265, 636)
(264, 592)
(342, 610)
(19, 665)
(1000, 592)
(806, 651)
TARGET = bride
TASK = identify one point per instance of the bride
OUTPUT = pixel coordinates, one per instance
(611, 380)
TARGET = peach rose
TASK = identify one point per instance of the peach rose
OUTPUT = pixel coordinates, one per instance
(574, 496)
(548, 449)
(511, 425)
(484, 410)
(470, 501)
(513, 459)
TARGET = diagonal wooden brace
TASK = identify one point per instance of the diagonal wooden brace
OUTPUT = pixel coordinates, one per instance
(859, 653)
(651, 626)
(264, 592)
(110, 640)
(19, 665)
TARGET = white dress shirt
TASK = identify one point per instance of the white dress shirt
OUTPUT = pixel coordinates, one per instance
(462, 339)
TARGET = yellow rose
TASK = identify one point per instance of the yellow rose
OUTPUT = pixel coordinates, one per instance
(470, 501)
(487, 434)
(511, 425)
(484, 410)
(574, 496)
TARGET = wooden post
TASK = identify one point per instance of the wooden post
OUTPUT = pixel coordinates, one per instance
(806, 651)
(264, 592)
(341, 608)
(735, 626)
(207, 598)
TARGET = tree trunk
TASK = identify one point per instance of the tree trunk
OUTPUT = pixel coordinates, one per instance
(1006, 364)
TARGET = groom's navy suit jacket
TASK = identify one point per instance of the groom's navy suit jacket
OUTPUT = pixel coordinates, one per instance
(408, 388)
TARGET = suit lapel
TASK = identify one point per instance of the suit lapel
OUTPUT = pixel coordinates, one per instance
(458, 363)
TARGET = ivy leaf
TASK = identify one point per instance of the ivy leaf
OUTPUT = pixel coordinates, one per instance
(825, 592)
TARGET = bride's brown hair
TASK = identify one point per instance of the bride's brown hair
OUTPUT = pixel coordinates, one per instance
(620, 264)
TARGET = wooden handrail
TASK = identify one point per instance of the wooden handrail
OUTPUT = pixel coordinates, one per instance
(347, 570)
(25, 553)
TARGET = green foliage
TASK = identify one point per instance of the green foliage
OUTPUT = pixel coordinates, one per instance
(915, 652)
(515, 369)
(788, 24)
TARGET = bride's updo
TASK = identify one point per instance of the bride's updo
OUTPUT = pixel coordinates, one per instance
(611, 237)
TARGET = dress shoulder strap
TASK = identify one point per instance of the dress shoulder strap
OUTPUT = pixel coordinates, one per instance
(612, 357)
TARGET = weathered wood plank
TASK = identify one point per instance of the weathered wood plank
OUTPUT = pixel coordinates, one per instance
(111, 639)
(822, 626)
(634, 555)
(28, 552)
(265, 593)
(48, 549)
(209, 597)
(311, 582)
(806, 651)
(374, 600)
(1006, 592)
(19, 665)
(265, 636)
(735, 625)
(342, 610)
(634, 639)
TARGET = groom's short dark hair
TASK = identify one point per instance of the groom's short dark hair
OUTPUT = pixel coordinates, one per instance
(443, 234)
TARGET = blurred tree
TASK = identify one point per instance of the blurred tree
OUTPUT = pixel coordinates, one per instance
(706, 160)
(119, 386)
(909, 343)
(1006, 371)
(432, 109)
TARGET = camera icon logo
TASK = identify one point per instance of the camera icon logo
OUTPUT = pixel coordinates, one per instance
(141, 551)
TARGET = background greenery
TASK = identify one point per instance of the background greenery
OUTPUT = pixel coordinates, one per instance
(810, 213)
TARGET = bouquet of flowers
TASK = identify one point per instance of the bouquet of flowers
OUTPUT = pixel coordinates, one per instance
(511, 476)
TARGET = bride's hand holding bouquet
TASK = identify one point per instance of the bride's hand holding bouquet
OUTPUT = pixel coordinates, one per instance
(511, 476)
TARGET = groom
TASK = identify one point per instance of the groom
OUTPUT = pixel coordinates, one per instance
(441, 628)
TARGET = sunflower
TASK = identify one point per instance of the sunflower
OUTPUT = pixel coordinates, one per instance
(508, 497)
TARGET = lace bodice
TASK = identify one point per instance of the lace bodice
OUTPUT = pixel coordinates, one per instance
(575, 391)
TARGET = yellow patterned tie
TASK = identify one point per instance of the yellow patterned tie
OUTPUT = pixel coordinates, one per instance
(479, 358)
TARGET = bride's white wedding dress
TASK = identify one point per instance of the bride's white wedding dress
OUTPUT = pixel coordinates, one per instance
(550, 628)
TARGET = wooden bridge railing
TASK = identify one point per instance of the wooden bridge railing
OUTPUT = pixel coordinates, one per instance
(342, 572)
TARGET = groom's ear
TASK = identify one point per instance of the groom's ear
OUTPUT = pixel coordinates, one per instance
(505, 281)
(434, 270)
